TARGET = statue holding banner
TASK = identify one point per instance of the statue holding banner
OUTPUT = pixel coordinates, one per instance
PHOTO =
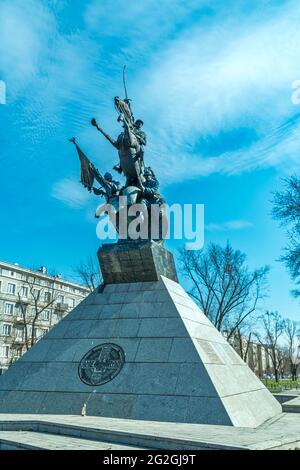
(141, 185)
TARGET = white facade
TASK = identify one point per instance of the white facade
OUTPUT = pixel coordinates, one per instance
(31, 302)
(256, 355)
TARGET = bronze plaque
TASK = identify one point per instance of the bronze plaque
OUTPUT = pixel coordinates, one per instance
(101, 364)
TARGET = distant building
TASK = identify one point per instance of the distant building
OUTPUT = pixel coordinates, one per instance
(258, 359)
(256, 355)
(31, 303)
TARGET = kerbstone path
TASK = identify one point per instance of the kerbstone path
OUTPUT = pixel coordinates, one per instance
(76, 432)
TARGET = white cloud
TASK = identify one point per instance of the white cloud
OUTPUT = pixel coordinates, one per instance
(231, 75)
(45, 70)
(228, 226)
(197, 73)
(71, 193)
(26, 30)
(140, 24)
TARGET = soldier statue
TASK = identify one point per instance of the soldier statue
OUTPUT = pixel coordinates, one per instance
(130, 144)
(111, 188)
(141, 184)
(151, 194)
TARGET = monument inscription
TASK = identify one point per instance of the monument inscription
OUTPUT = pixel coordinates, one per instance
(209, 351)
(101, 364)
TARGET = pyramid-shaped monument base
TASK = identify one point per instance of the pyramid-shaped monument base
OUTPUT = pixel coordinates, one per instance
(140, 350)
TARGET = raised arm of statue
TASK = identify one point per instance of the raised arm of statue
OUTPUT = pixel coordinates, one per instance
(142, 138)
(110, 139)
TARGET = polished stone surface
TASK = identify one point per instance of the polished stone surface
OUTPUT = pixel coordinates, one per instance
(135, 261)
(178, 367)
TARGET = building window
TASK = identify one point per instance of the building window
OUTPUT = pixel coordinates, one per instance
(24, 277)
(46, 315)
(36, 293)
(4, 351)
(12, 273)
(24, 291)
(6, 329)
(71, 303)
(21, 309)
(60, 299)
(44, 331)
(47, 297)
(32, 312)
(8, 308)
(18, 353)
(37, 281)
(11, 288)
(20, 333)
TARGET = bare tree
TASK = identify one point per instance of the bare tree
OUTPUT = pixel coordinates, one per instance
(287, 210)
(223, 286)
(292, 333)
(283, 360)
(88, 272)
(31, 306)
(241, 340)
(272, 325)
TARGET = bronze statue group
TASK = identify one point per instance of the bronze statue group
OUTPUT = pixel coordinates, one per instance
(141, 186)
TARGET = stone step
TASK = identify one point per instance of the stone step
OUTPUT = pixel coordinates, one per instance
(292, 406)
(31, 440)
(135, 434)
(282, 432)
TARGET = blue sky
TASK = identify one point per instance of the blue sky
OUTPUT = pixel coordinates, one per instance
(212, 81)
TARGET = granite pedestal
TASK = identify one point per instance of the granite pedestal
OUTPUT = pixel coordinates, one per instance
(135, 262)
(162, 359)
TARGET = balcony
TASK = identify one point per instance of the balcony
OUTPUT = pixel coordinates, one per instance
(61, 307)
(19, 340)
(24, 300)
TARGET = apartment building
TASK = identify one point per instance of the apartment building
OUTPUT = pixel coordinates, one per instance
(256, 355)
(31, 303)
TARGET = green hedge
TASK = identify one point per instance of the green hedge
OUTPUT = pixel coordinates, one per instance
(284, 384)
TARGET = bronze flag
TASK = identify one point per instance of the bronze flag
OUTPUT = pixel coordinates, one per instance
(87, 168)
